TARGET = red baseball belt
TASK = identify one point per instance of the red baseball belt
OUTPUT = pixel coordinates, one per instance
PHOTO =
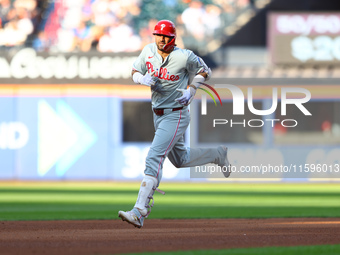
(160, 111)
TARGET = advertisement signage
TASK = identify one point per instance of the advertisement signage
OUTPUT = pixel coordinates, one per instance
(28, 66)
(304, 38)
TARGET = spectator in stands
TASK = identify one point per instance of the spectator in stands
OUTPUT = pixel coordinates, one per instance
(24, 22)
(16, 20)
(17, 25)
(120, 38)
(252, 4)
(11, 35)
(110, 25)
(228, 9)
(5, 7)
(102, 14)
(83, 38)
(29, 5)
(41, 42)
(145, 33)
(211, 20)
(193, 19)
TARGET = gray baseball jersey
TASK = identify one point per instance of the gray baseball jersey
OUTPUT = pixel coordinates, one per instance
(175, 72)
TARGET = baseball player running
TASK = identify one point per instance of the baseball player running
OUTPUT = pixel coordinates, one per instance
(168, 70)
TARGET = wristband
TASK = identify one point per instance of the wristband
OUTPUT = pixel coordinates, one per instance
(136, 77)
(198, 79)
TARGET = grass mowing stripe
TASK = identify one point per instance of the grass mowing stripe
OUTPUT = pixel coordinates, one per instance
(51, 211)
(185, 200)
(294, 250)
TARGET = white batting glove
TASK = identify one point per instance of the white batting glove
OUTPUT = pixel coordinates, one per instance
(187, 96)
(147, 79)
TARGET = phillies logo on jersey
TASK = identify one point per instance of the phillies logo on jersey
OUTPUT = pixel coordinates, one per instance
(162, 73)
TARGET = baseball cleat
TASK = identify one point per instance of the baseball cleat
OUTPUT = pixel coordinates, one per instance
(130, 217)
(226, 165)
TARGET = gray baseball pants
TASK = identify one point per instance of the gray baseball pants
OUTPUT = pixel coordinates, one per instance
(169, 142)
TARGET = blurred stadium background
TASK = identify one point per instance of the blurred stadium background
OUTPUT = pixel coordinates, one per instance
(70, 111)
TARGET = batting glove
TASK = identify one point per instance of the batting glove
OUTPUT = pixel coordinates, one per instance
(187, 96)
(147, 79)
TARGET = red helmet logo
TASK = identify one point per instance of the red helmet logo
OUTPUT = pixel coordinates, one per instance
(165, 27)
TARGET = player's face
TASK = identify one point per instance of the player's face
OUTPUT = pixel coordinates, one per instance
(161, 41)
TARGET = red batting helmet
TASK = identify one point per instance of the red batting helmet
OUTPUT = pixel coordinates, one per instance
(166, 27)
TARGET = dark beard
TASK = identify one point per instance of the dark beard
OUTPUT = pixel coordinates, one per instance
(161, 48)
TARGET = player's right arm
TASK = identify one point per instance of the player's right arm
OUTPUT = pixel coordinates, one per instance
(147, 79)
(140, 73)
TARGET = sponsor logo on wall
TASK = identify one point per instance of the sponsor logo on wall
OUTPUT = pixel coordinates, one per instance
(30, 65)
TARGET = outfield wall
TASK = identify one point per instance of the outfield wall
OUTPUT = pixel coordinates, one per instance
(67, 132)
(80, 117)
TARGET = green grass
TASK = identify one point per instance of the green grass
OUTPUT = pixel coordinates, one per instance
(102, 200)
(295, 250)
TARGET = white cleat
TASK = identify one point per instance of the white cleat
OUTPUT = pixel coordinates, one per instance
(130, 217)
(226, 167)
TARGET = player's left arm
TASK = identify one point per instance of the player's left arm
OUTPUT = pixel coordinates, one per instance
(199, 72)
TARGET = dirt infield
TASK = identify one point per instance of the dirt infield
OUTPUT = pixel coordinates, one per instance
(116, 236)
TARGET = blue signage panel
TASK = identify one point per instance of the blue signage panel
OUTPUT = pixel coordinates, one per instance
(88, 158)
(68, 138)
(129, 164)
(10, 139)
